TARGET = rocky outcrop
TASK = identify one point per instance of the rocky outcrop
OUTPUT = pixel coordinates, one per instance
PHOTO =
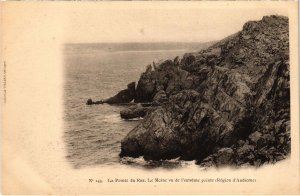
(91, 102)
(174, 130)
(124, 96)
(166, 78)
(136, 111)
(228, 104)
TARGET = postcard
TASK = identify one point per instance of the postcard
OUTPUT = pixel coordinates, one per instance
(149, 97)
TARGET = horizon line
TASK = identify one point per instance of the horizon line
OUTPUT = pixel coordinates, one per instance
(133, 42)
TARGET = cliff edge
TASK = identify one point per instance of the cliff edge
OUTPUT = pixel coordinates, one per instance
(226, 105)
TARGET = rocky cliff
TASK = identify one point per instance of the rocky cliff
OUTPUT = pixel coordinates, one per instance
(228, 104)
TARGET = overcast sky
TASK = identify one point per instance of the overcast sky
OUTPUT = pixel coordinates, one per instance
(158, 22)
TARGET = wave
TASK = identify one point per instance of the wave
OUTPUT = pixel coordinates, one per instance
(151, 164)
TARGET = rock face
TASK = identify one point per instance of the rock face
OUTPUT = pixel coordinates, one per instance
(124, 96)
(167, 79)
(228, 104)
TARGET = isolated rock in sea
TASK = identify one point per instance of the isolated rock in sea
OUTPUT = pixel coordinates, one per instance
(136, 111)
(91, 102)
(124, 96)
(226, 105)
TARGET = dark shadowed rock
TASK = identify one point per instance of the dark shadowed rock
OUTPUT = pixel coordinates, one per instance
(124, 96)
(146, 87)
(91, 102)
(167, 77)
(185, 128)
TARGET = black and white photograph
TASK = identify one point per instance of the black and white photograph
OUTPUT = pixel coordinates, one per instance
(180, 97)
(164, 104)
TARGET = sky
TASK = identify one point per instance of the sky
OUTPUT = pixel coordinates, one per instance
(159, 22)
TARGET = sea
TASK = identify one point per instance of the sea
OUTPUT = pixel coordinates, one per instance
(93, 133)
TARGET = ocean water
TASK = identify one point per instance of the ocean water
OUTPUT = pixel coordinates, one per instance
(93, 134)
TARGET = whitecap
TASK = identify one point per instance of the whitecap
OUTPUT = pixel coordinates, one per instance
(112, 118)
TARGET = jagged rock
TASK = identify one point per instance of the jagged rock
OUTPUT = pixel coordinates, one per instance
(124, 96)
(149, 68)
(188, 59)
(160, 97)
(184, 125)
(228, 104)
(146, 88)
(176, 61)
(151, 138)
(174, 87)
(168, 77)
(151, 82)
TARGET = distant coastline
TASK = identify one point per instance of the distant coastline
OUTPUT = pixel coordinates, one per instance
(137, 46)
